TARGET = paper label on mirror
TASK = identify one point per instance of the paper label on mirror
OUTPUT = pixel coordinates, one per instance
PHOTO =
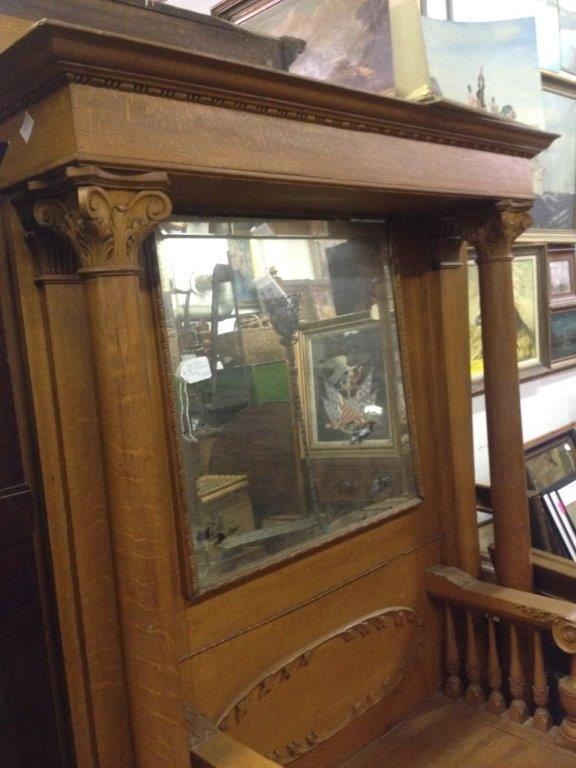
(194, 369)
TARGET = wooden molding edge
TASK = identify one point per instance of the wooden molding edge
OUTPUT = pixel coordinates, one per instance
(52, 55)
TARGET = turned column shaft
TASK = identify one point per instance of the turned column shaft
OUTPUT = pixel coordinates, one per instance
(492, 237)
(138, 503)
(507, 463)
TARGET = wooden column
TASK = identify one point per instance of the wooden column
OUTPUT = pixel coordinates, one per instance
(463, 549)
(106, 223)
(492, 235)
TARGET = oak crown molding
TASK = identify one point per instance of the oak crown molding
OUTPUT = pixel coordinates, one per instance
(52, 55)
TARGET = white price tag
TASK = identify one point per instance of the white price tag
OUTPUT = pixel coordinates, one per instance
(193, 369)
(27, 127)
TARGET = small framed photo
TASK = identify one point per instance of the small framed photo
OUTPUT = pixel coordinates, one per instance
(345, 387)
(551, 461)
(563, 334)
(316, 300)
(562, 276)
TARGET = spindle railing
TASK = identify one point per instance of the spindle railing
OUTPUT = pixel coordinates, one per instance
(504, 633)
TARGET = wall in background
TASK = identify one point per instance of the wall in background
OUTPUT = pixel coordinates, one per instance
(547, 404)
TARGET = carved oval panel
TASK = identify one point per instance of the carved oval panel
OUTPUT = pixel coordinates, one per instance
(309, 697)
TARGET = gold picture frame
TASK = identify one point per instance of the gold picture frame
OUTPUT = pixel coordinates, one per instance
(344, 369)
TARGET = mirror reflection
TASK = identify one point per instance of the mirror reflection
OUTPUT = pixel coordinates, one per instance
(288, 384)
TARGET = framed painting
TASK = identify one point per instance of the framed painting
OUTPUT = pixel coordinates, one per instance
(563, 334)
(568, 35)
(346, 42)
(345, 388)
(529, 306)
(316, 301)
(551, 461)
(555, 169)
(562, 276)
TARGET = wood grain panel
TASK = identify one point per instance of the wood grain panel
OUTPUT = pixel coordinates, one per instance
(11, 28)
(141, 517)
(51, 142)
(128, 128)
(290, 585)
(71, 365)
(448, 734)
(213, 678)
(307, 699)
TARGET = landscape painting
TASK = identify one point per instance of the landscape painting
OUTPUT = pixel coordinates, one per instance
(555, 169)
(491, 66)
(348, 42)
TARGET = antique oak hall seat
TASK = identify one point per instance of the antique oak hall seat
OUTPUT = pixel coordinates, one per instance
(310, 656)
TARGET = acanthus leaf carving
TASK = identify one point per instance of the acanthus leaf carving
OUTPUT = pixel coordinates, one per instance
(105, 226)
(493, 233)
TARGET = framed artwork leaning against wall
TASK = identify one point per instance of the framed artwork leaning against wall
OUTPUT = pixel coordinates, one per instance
(530, 308)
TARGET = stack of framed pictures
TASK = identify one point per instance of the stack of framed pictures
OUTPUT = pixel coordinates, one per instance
(551, 468)
(562, 281)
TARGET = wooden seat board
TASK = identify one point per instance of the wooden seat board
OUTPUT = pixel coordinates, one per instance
(447, 734)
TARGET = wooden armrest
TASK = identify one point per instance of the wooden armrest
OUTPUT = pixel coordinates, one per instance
(221, 751)
(453, 586)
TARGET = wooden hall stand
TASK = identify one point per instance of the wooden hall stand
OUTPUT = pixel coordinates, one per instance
(314, 659)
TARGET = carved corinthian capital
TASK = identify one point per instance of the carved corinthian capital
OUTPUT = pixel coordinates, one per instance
(105, 226)
(493, 233)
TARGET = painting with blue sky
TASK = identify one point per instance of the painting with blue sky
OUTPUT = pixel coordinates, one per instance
(492, 66)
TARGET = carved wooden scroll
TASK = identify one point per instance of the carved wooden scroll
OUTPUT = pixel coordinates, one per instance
(308, 698)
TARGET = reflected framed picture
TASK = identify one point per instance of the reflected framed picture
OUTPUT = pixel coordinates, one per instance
(562, 276)
(345, 388)
(529, 310)
(316, 300)
(563, 334)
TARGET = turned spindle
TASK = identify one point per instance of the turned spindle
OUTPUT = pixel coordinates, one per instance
(453, 686)
(567, 691)
(496, 704)
(518, 711)
(542, 719)
(474, 692)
